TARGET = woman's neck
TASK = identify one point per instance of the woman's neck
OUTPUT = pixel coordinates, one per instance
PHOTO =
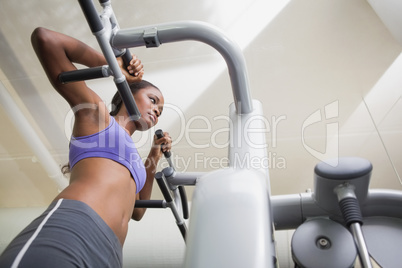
(124, 121)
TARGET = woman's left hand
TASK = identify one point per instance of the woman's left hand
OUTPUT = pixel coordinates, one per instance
(162, 145)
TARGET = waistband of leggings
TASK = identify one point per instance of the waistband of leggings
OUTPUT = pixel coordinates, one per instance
(87, 210)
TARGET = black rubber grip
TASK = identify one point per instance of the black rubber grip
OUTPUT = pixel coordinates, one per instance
(183, 197)
(91, 15)
(159, 134)
(351, 211)
(126, 57)
(81, 75)
(163, 187)
(183, 230)
(149, 204)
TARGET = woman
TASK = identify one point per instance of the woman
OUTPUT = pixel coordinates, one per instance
(87, 223)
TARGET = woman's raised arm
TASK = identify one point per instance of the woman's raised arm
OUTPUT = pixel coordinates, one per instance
(57, 53)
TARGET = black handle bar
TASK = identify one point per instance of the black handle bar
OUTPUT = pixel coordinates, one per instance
(182, 191)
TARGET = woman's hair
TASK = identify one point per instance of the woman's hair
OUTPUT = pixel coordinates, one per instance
(134, 87)
(117, 102)
(65, 169)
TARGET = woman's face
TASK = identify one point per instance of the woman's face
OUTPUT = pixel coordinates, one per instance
(150, 103)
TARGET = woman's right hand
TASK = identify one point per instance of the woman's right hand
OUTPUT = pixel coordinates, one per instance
(134, 71)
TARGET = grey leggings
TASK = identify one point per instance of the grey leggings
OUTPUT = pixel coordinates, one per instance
(68, 234)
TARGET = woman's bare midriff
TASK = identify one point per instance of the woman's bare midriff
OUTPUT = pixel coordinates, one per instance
(108, 188)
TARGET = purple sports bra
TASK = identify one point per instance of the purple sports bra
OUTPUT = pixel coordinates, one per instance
(112, 143)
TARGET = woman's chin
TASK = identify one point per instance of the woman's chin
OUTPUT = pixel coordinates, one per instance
(143, 125)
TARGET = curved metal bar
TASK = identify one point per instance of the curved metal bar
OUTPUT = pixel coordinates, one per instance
(153, 35)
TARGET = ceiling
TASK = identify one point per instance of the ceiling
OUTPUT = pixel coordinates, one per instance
(335, 60)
